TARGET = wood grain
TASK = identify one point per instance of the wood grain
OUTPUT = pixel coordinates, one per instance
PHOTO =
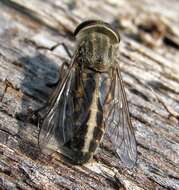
(149, 54)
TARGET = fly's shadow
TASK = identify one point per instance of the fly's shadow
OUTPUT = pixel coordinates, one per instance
(39, 71)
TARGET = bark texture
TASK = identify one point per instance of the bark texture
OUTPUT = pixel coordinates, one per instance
(149, 54)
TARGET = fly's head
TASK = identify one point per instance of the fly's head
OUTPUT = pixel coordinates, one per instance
(97, 44)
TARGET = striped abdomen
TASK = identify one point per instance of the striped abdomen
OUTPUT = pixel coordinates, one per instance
(88, 116)
(94, 123)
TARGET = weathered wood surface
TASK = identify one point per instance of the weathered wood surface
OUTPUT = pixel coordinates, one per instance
(149, 55)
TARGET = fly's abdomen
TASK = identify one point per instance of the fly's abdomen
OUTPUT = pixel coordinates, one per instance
(90, 125)
(85, 144)
(95, 127)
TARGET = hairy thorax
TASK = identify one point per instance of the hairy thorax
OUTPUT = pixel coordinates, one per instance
(96, 51)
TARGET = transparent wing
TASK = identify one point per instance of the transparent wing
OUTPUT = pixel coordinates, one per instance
(118, 123)
(51, 116)
(68, 108)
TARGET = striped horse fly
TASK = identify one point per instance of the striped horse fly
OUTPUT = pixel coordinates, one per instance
(90, 99)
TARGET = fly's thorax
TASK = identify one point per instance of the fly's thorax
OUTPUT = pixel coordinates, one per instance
(97, 45)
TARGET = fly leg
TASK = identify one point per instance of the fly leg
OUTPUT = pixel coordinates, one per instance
(66, 49)
(64, 66)
(35, 115)
(55, 46)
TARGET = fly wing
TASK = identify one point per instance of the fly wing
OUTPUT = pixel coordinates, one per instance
(55, 112)
(68, 108)
(118, 123)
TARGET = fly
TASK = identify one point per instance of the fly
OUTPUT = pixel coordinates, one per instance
(90, 100)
